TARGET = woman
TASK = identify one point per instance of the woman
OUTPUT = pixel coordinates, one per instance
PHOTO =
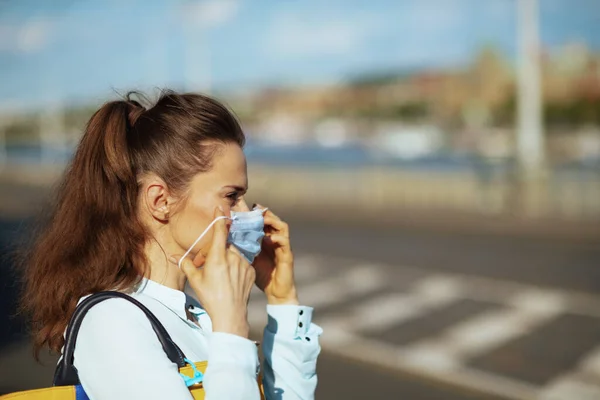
(146, 201)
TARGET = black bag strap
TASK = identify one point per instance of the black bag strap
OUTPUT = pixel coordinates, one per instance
(66, 373)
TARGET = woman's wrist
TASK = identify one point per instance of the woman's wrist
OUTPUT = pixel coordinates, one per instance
(290, 299)
(240, 329)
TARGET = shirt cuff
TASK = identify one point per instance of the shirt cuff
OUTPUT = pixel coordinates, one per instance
(228, 349)
(289, 320)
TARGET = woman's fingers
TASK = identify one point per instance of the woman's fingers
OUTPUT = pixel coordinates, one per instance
(277, 241)
(277, 224)
(217, 252)
(234, 257)
(241, 273)
(274, 222)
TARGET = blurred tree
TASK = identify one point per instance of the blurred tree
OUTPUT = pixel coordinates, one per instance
(411, 112)
(22, 130)
(566, 113)
(76, 118)
(577, 112)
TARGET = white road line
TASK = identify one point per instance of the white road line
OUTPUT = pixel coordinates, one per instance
(333, 290)
(490, 289)
(535, 302)
(571, 388)
(396, 357)
(443, 356)
(390, 309)
(354, 282)
(376, 314)
(590, 365)
(484, 332)
(581, 383)
(438, 289)
(311, 267)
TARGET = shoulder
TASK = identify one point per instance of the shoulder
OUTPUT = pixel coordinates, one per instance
(116, 344)
(111, 321)
(112, 329)
(114, 311)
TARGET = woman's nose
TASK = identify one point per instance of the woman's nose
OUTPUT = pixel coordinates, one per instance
(241, 205)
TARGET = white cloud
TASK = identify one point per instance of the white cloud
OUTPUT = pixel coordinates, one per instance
(299, 33)
(209, 13)
(318, 34)
(426, 17)
(296, 39)
(29, 37)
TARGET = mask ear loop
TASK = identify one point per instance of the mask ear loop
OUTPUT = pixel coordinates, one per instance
(200, 237)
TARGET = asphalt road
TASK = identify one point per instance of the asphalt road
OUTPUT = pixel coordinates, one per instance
(420, 314)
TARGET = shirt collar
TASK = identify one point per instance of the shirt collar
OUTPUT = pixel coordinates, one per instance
(173, 299)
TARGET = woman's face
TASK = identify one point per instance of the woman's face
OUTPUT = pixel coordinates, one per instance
(224, 185)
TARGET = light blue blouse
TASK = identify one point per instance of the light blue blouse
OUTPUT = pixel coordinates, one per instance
(118, 357)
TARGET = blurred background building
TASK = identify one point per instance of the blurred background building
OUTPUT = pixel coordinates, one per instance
(453, 117)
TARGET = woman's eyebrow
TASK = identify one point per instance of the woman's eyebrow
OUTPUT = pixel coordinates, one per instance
(236, 187)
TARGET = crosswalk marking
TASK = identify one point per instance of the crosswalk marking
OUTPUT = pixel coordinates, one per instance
(582, 383)
(591, 364)
(571, 388)
(389, 309)
(436, 290)
(355, 282)
(361, 299)
(378, 313)
(479, 334)
(538, 302)
(333, 290)
(437, 368)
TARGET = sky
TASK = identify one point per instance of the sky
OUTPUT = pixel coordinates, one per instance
(80, 50)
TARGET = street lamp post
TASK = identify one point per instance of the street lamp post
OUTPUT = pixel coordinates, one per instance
(529, 180)
(530, 139)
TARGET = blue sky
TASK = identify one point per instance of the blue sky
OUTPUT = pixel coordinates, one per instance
(85, 49)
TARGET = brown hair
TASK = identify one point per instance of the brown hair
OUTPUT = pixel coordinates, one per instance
(94, 240)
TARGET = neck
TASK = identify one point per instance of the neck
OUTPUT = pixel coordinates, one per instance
(160, 269)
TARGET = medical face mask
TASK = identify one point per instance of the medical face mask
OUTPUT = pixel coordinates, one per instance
(246, 233)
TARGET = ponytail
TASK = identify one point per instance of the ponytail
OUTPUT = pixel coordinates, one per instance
(94, 240)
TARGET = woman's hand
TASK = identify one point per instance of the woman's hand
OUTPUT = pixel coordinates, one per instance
(223, 285)
(275, 264)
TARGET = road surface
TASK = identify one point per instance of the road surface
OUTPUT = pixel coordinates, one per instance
(420, 314)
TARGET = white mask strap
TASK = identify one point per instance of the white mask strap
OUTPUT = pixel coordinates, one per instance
(199, 238)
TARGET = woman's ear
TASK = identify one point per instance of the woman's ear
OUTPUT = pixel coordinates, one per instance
(157, 199)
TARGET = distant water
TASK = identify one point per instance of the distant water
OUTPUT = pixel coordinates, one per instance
(349, 156)
(301, 155)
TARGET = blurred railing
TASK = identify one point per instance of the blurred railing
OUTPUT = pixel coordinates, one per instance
(570, 196)
(482, 188)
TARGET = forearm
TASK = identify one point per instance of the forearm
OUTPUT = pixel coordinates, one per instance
(232, 367)
(290, 348)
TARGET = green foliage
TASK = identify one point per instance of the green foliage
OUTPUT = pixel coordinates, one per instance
(581, 111)
(22, 131)
(568, 113)
(409, 112)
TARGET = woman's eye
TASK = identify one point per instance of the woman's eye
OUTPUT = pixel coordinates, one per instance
(233, 197)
